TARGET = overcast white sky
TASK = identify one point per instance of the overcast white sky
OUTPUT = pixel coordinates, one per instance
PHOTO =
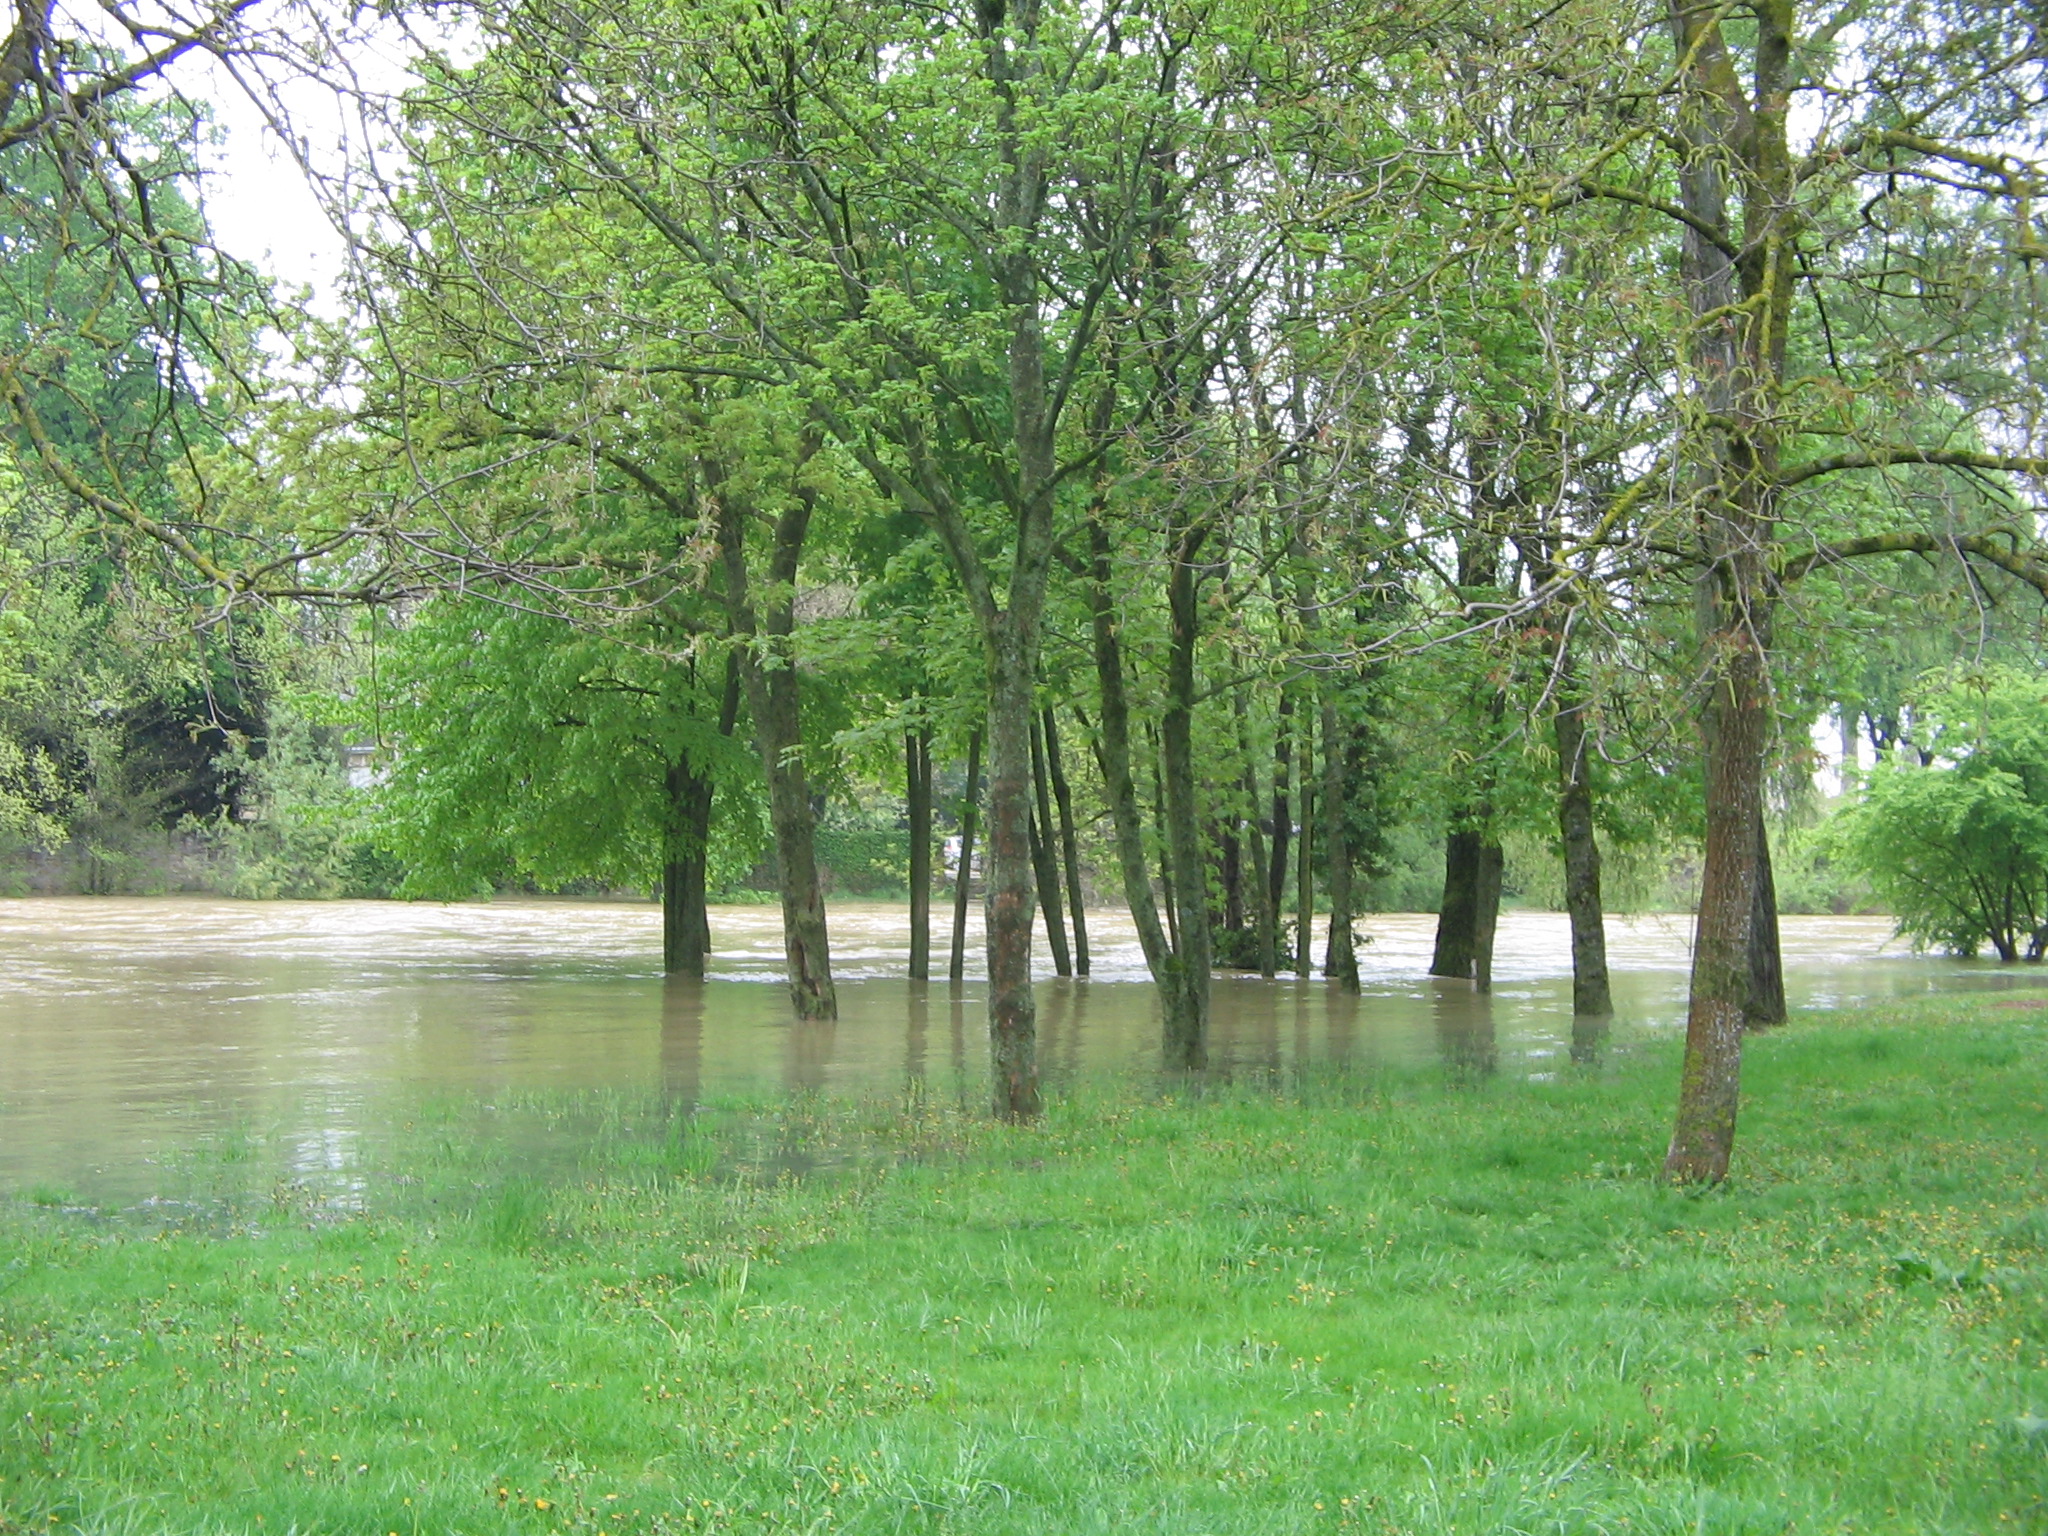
(256, 194)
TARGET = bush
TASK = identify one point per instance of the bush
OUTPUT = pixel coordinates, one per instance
(1956, 843)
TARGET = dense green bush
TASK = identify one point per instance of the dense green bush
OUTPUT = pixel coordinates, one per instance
(1953, 832)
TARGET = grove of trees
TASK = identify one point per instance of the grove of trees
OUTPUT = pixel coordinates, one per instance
(1200, 444)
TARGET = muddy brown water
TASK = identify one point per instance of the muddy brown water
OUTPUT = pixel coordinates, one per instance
(133, 1029)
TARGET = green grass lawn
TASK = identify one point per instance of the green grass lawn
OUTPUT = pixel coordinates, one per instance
(1391, 1304)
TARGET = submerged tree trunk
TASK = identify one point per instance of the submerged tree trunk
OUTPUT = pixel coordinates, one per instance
(1340, 962)
(1012, 892)
(1276, 872)
(769, 672)
(1304, 851)
(1457, 917)
(1265, 923)
(1591, 997)
(685, 914)
(1263, 920)
(917, 766)
(1486, 912)
(964, 878)
(1070, 842)
(1113, 750)
(1187, 1036)
(1045, 858)
(685, 921)
(1230, 847)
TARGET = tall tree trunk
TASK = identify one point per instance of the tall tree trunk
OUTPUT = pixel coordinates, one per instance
(1591, 997)
(1070, 842)
(1119, 782)
(1703, 1137)
(773, 698)
(1231, 848)
(1283, 753)
(1340, 963)
(1304, 853)
(1187, 1042)
(1740, 305)
(1012, 891)
(1265, 924)
(1486, 912)
(969, 807)
(1457, 918)
(685, 923)
(1045, 858)
(685, 914)
(1045, 874)
(1167, 902)
(1262, 904)
(917, 765)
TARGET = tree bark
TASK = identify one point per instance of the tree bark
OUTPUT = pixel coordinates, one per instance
(1283, 829)
(1012, 892)
(1485, 912)
(1766, 1007)
(917, 765)
(969, 807)
(1070, 842)
(1262, 903)
(1591, 995)
(1231, 848)
(1737, 357)
(685, 921)
(1045, 859)
(1703, 1138)
(1265, 924)
(1187, 1038)
(1340, 962)
(1304, 852)
(773, 697)
(685, 914)
(1457, 917)
(1113, 750)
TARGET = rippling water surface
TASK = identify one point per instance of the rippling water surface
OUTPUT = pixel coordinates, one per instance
(130, 1029)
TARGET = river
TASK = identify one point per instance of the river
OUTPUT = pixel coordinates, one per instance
(133, 1028)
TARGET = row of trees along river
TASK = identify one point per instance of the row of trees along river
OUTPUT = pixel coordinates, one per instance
(1265, 426)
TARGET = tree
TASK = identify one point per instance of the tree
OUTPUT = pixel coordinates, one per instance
(1901, 202)
(1957, 847)
(526, 749)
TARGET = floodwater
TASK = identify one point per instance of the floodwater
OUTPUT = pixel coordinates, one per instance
(132, 1029)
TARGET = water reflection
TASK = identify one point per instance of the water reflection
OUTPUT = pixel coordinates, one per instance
(1589, 1038)
(129, 1029)
(682, 1038)
(1464, 1027)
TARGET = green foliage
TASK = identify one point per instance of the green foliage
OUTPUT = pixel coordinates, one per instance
(304, 830)
(527, 750)
(864, 861)
(1425, 1305)
(1957, 844)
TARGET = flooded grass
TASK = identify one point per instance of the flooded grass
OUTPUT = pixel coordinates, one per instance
(1409, 1301)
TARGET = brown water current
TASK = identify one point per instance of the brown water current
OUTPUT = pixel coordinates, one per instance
(133, 1029)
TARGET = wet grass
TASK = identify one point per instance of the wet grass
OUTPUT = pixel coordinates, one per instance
(1391, 1304)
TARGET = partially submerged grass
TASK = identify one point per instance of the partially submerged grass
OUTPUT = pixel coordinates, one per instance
(1389, 1304)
